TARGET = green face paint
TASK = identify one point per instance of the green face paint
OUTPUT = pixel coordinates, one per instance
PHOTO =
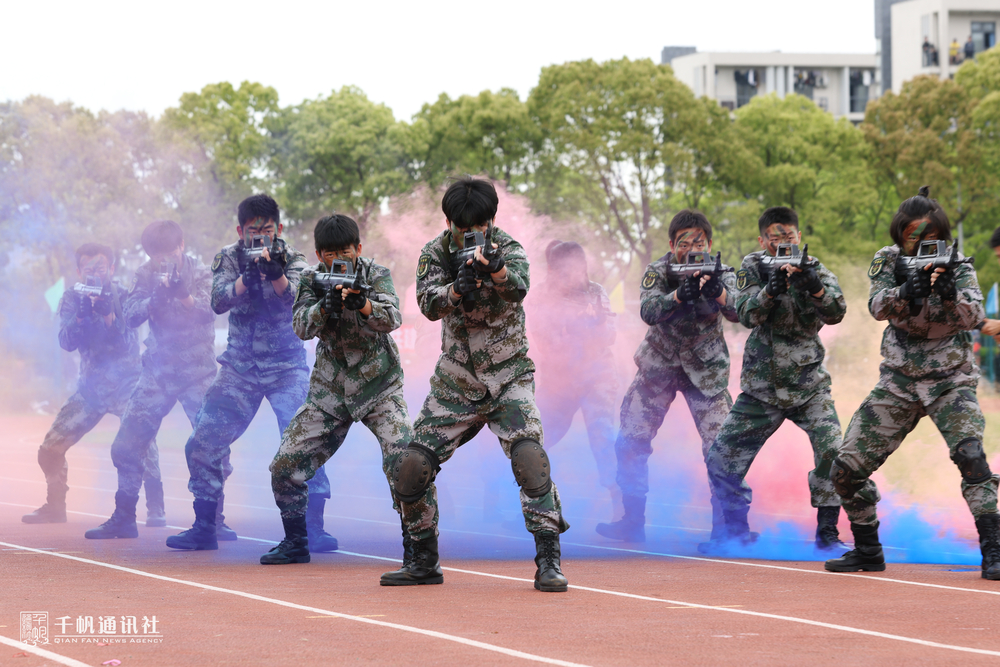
(912, 235)
(688, 240)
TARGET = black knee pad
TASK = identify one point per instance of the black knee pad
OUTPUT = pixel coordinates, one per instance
(971, 461)
(843, 480)
(531, 467)
(413, 471)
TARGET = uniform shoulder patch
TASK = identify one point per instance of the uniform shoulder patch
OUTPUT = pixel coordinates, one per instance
(742, 279)
(876, 267)
(649, 279)
(135, 281)
(217, 262)
(423, 265)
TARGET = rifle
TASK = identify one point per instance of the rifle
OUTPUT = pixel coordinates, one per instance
(788, 253)
(700, 263)
(341, 273)
(935, 253)
(471, 240)
(91, 287)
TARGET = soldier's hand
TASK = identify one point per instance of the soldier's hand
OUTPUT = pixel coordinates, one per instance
(160, 297)
(777, 283)
(807, 280)
(487, 263)
(251, 274)
(84, 306)
(466, 281)
(177, 289)
(945, 285)
(917, 285)
(103, 306)
(712, 288)
(689, 290)
(333, 302)
(355, 299)
(272, 269)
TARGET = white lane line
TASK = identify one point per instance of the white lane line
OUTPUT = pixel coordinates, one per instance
(55, 657)
(260, 598)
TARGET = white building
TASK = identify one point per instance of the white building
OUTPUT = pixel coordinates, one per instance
(841, 83)
(943, 24)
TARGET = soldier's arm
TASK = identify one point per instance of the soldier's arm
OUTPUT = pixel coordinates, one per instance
(225, 272)
(201, 292)
(135, 308)
(966, 311)
(515, 288)
(753, 304)
(884, 302)
(71, 332)
(434, 293)
(385, 315)
(656, 300)
(293, 271)
(729, 310)
(308, 317)
(831, 307)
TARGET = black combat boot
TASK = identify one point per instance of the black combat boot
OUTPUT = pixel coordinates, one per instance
(294, 548)
(866, 556)
(735, 533)
(320, 541)
(155, 514)
(53, 511)
(121, 523)
(424, 567)
(827, 535)
(548, 577)
(222, 531)
(989, 543)
(200, 536)
(632, 526)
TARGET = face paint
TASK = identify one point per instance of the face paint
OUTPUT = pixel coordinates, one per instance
(258, 227)
(346, 254)
(688, 240)
(914, 234)
(777, 234)
(97, 265)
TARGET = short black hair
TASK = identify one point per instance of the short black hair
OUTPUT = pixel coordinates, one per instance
(469, 202)
(777, 215)
(162, 236)
(919, 207)
(335, 232)
(93, 250)
(995, 238)
(688, 219)
(558, 253)
(258, 206)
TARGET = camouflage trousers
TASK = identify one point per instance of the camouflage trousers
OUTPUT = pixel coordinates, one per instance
(153, 398)
(878, 428)
(596, 402)
(75, 419)
(448, 420)
(315, 434)
(744, 432)
(644, 408)
(230, 405)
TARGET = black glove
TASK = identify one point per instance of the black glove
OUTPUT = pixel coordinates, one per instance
(946, 286)
(917, 285)
(84, 307)
(251, 274)
(103, 306)
(160, 297)
(807, 281)
(177, 289)
(466, 281)
(272, 268)
(712, 289)
(356, 301)
(777, 283)
(689, 290)
(495, 262)
(333, 304)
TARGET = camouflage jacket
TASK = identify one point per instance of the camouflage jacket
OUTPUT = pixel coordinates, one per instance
(181, 340)
(926, 354)
(569, 338)
(684, 338)
(783, 359)
(486, 348)
(109, 355)
(260, 322)
(357, 362)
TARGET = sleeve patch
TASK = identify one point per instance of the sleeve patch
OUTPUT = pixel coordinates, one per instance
(217, 262)
(424, 265)
(649, 279)
(135, 281)
(742, 279)
(876, 267)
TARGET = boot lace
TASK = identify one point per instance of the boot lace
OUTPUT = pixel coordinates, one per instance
(548, 553)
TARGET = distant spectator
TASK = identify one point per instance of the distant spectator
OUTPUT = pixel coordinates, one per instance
(953, 51)
(934, 56)
(928, 48)
(970, 49)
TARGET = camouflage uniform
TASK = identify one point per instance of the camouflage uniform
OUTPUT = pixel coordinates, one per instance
(928, 368)
(357, 377)
(177, 365)
(576, 369)
(483, 377)
(683, 351)
(263, 359)
(782, 378)
(109, 367)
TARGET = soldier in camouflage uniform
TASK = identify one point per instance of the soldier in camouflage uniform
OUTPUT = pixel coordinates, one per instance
(684, 350)
(928, 368)
(109, 367)
(171, 292)
(357, 377)
(783, 378)
(483, 377)
(264, 359)
(573, 328)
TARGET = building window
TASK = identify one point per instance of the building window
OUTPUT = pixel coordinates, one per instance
(746, 85)
(984, 35)
(861, 79)
(807, 81)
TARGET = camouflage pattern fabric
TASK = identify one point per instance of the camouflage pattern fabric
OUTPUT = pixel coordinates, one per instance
(109, 367)
(783, 358)
(357, 377)
(928, 368)
(483, 377)
(744, 432)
